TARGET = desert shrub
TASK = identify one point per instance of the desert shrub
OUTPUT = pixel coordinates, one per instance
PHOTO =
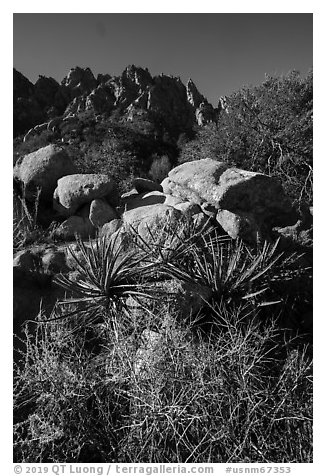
(266, 128)
(32, 144)
(225, 396)
(231, 398)
(26, 228)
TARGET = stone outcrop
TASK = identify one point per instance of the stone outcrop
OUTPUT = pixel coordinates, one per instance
(42, 169)
(239, 225)
(256, 200)
(167, 98)
(204, 111)
(195, 98)
(135, 93)
(149, 220)
(101, 212)
(75, 225)
(100, 100)
(46, 92)
(243, 204)
(111, 227)
(79, 81)
(27, 112)
(75, 190)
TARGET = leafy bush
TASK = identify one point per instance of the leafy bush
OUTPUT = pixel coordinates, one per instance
(266, 128)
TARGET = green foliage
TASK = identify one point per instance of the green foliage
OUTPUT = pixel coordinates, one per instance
(268, 129)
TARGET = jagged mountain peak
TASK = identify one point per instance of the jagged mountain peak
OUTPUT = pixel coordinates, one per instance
(135, 91)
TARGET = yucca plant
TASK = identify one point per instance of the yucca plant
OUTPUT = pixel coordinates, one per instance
(169, 245)
(106, 276)
(235, 272)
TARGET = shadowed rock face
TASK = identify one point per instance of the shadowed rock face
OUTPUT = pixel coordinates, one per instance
(26, 110)
(135, 91)
(79, 81)
(46, 90)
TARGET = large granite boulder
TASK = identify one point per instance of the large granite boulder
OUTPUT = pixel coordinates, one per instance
(75, 225)
(220, 187)
(42, 169)
(101, 212)
(75, 190)
(149, 220)
(111, 227)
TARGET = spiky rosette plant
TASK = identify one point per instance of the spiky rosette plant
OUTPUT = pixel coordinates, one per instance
(168, 245)
(106, 275)
(236, 272)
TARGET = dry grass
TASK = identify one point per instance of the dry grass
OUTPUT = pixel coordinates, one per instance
(229, 392)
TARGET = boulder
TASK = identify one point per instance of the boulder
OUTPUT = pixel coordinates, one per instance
(239, 225)
(149, 220)
(143, 185)
(167, 186)
(111, 227)
(227, 188)
(172, 201)
(101, 212)
(42, 169)
(75, 190)
(75, 225)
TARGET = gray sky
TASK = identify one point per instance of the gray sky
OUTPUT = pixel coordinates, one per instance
(220, 52)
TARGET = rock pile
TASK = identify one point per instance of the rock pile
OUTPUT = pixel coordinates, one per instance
(243, 204)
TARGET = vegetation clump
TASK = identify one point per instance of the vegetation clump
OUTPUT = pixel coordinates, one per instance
(224, 384)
